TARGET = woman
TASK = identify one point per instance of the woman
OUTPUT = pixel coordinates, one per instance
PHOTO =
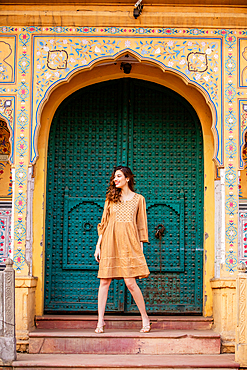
(119, 249)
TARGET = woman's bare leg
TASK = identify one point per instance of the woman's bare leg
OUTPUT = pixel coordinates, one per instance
(102, 299)
(138, 298)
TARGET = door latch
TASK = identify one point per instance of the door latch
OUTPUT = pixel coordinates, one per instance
(160, 230)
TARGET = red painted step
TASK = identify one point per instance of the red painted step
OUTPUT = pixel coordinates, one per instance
(130, 362)
(157, 342)
(123, 322)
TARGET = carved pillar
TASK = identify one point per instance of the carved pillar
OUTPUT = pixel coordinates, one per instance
(241, 328)
(224, 311)
(219, 222)
(224, 289)
(7, 326)
(26, 285)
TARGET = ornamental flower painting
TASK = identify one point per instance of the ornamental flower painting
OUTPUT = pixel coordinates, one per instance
(57, 57)
(197, 62)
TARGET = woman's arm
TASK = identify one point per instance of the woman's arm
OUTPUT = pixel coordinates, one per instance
(141, 245)
(97, 249)
(141, 220)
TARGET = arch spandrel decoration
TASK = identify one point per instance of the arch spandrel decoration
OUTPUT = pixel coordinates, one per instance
(197, 60)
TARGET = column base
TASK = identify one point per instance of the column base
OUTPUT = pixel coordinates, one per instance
(25, 287)
(224, 311)
(241, 354)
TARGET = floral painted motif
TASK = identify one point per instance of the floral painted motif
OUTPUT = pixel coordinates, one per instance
(24, 63)
(231, 262)
(231, 202)
(192, 58)
(57, 59)
(197, 62)
(21, 147)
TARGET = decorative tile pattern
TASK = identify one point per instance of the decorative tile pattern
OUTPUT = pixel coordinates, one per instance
(21, 146)
(231, 154)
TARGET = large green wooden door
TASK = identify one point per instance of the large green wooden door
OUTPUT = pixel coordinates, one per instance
(155, 132)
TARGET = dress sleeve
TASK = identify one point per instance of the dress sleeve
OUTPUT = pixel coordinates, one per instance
(104, 220)
(142, 221)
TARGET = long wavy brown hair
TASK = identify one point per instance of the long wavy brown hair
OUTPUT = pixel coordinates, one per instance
(113, 194)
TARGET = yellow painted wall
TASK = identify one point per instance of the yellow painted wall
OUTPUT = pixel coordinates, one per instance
(223, 14)
(225, 22)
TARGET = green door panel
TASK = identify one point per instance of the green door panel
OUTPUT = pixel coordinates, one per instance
(166, 254)
(168, 164)
(82, 150)
(80, 217)
(155, 132)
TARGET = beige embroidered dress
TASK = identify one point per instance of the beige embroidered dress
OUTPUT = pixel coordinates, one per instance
(123, 227)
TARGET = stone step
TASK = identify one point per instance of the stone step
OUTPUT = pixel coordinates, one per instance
(123, 322)
(130, 362)
(157, 342)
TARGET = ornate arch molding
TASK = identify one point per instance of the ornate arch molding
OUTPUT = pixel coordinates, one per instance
(192, 63)
(95, 75)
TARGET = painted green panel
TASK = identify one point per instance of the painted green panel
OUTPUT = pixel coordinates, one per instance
(158, 134)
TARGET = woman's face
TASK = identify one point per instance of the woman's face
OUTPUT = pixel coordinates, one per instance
(120, 180)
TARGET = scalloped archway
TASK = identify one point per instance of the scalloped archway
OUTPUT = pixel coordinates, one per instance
(107, 72)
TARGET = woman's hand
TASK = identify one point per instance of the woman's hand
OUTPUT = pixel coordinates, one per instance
(97, 253)
(141, 245)
(97, 250)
